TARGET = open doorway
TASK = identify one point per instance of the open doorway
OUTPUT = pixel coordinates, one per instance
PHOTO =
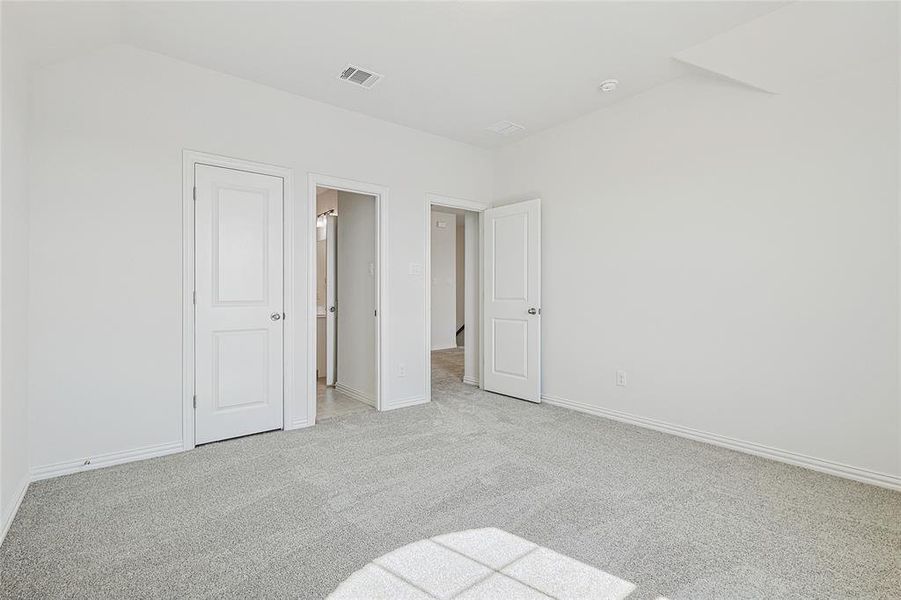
(347, 288)
(501, 277)
(454, 294)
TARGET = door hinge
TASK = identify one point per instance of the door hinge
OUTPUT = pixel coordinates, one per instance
(195, 401)
(375, 313)
(194, 297)
(195, 193)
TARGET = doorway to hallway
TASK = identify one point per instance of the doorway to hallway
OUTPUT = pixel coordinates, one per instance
(454, 290)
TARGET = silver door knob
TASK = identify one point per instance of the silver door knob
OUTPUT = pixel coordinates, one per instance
(533, 311)
(275, 316)
(331, 309)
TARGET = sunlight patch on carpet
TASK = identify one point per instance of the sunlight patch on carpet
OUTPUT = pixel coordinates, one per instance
(477, 564)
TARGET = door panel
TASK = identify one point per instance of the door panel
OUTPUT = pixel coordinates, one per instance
(238, 309)
(240, 368)
(239, 246)
(511, 277)
(511, 341)
(512, 270)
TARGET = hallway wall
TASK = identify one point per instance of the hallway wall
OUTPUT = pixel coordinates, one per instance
(444, 280)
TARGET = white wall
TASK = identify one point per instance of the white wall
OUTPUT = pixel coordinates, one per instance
(735, 252)
(356, 293)
(444, 280)
(13, 274)
(105, 251)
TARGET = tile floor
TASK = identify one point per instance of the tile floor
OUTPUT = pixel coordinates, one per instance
(332, 403)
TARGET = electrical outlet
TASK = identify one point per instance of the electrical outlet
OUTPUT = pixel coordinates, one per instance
(401, 370)
(621, 378)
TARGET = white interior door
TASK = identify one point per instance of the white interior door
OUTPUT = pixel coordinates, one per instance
(512, 302)
(331, 299)
(238, 304)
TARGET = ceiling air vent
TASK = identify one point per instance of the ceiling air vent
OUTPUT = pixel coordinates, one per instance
(359, 76)
(505, 128)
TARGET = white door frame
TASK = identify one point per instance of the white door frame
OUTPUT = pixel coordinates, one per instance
(437, 200)
(190, 158)
(381, 305)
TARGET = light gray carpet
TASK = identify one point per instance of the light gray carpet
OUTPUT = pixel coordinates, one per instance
(290, 515)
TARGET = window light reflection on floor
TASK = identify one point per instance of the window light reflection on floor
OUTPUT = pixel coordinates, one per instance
(476, 564)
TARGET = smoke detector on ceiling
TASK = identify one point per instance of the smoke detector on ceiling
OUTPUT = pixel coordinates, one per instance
(505, 128)
(363, 77)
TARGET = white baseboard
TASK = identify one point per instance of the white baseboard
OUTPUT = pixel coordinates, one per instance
(885, 480)
(8, 518)
(300, 424)
(405, 402)
(104, 460)
(355, 394)
(471, 381)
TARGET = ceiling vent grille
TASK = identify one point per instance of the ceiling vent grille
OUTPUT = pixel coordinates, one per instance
(505, 128)
(358, 76)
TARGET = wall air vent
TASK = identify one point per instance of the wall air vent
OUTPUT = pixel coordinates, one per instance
(505, 128)
(362, 77)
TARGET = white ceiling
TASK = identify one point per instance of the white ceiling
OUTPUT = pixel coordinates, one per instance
(451, 68)
(800, 42)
